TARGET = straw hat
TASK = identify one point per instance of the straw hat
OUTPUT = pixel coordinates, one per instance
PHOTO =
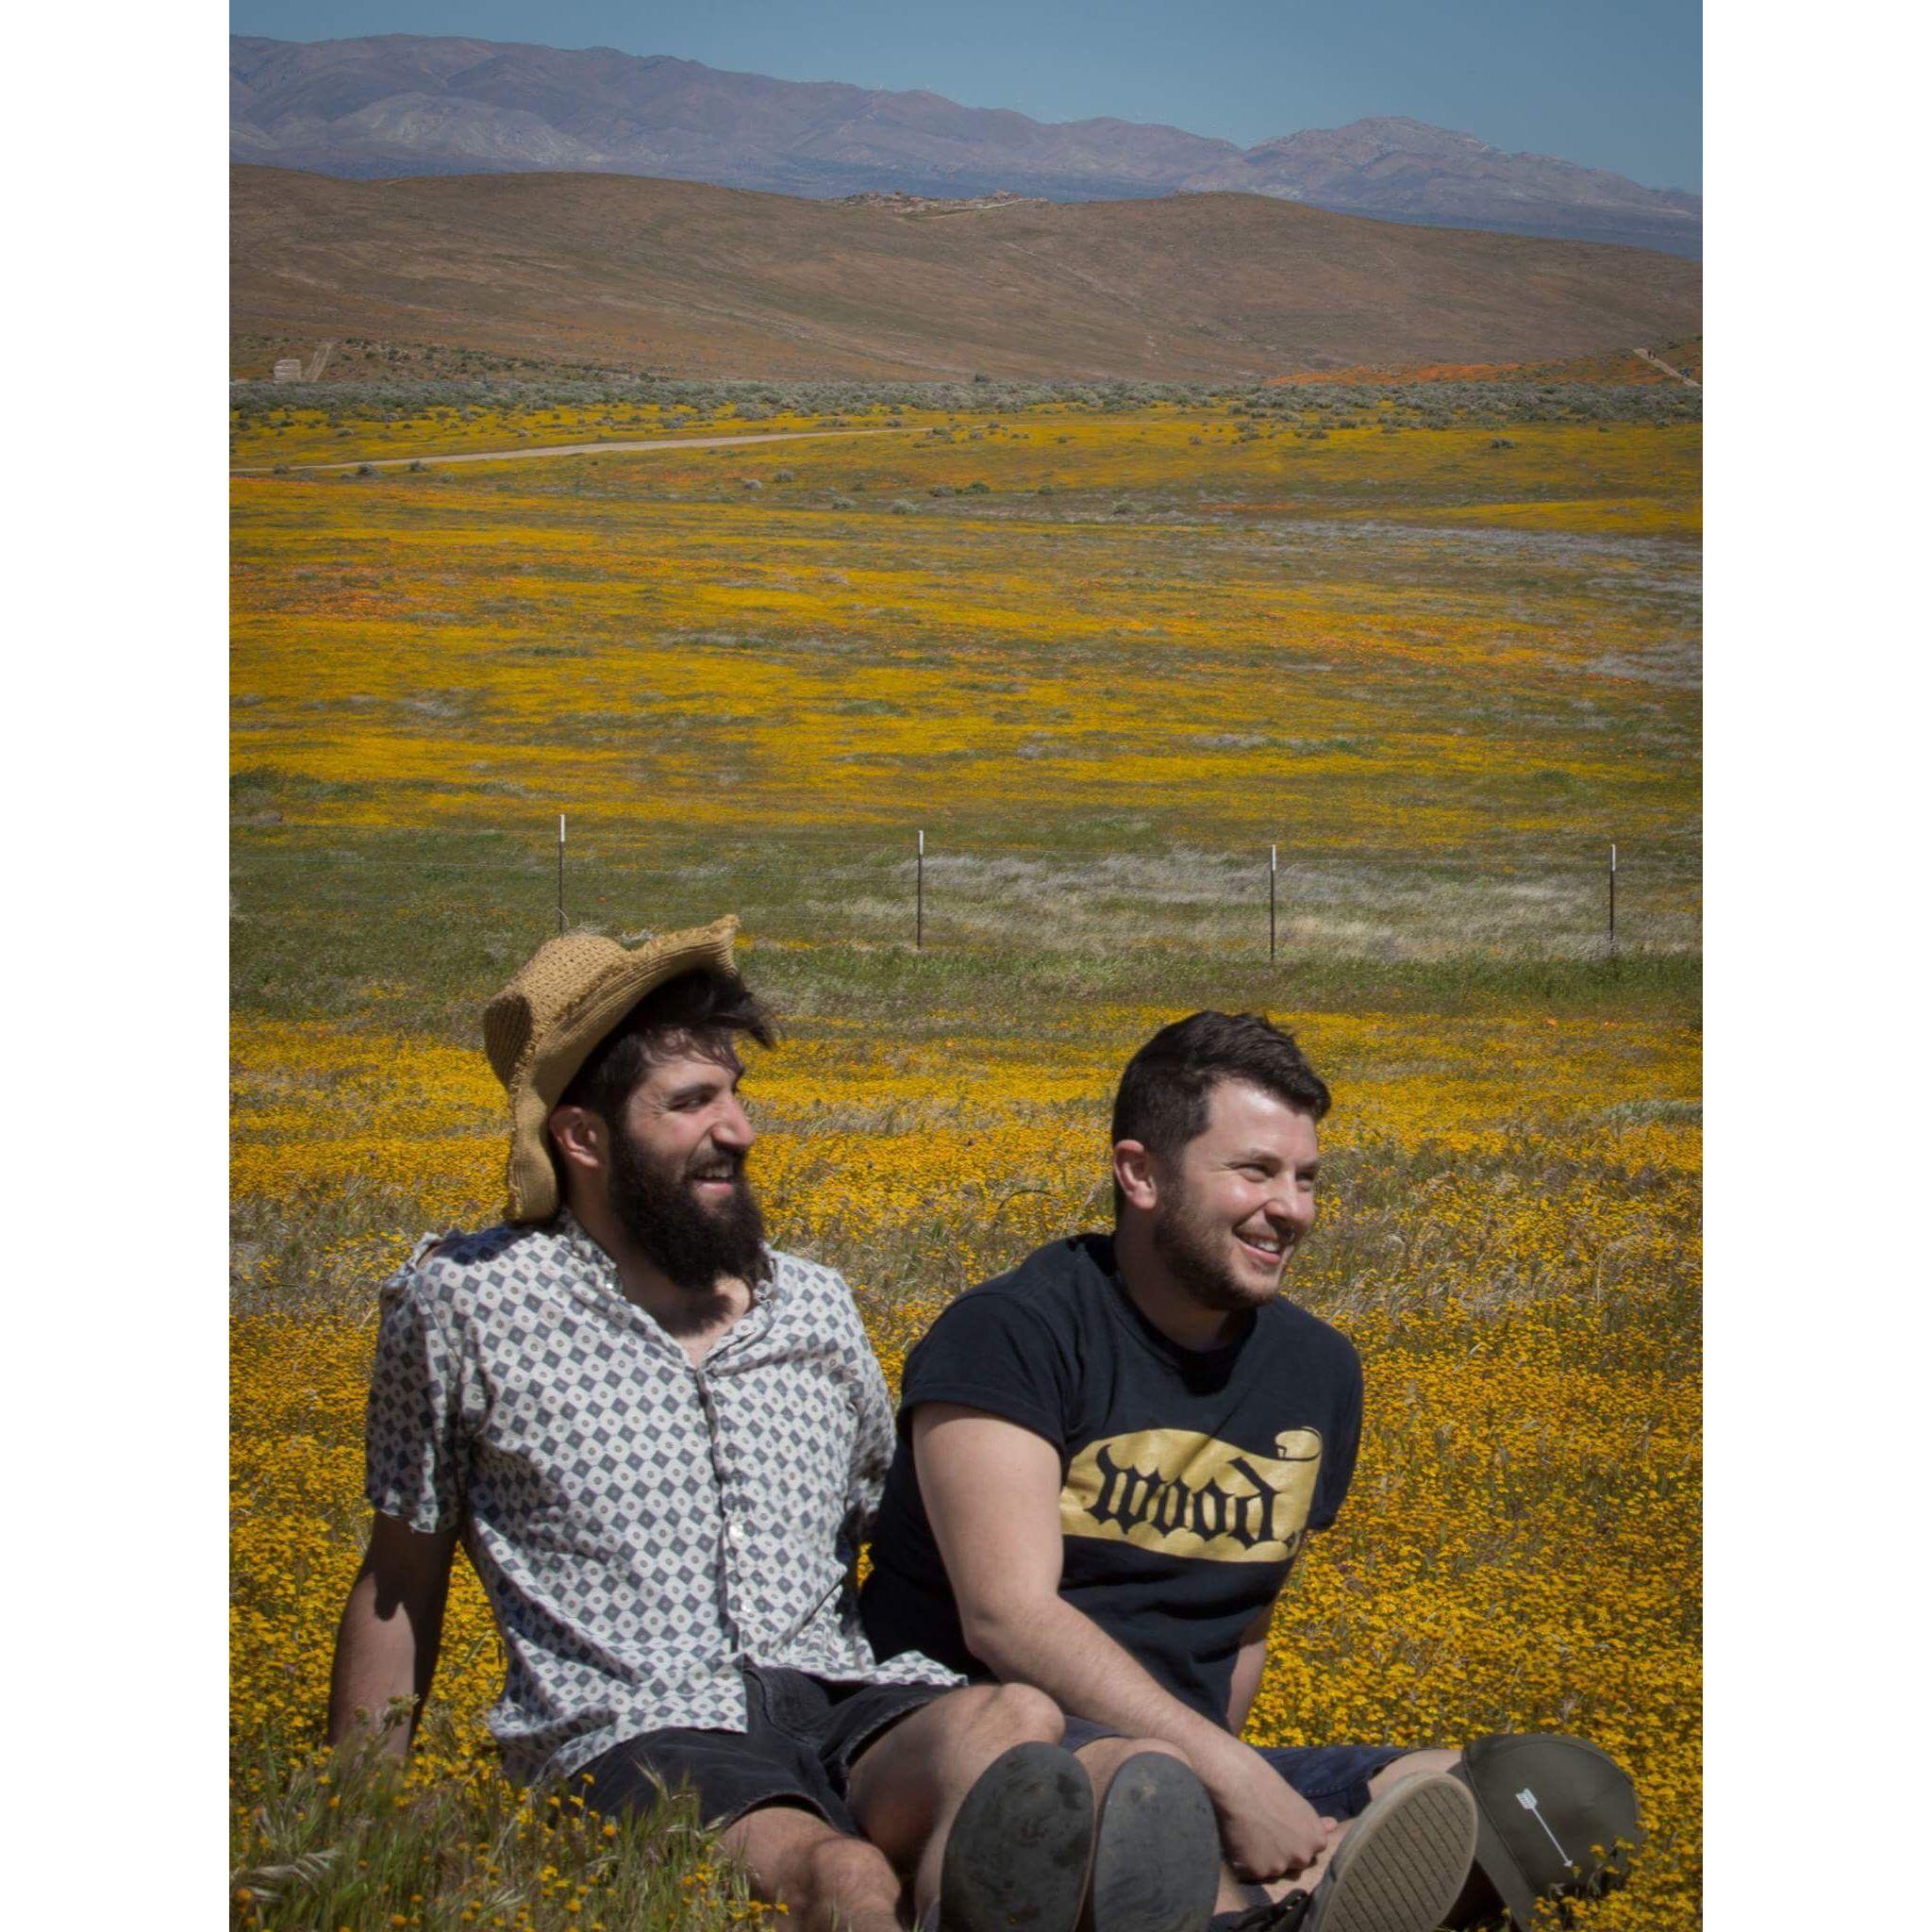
(540, 1030)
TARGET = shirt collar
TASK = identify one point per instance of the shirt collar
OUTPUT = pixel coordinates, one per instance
(584, 1250)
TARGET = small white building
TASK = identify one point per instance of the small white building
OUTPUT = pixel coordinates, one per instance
(289, 369)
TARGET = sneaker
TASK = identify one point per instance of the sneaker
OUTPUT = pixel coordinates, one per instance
(1016, 1857)
(1156, 1851)
(1400, 1866)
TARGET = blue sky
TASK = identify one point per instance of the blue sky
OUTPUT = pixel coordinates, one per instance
(1609, 83)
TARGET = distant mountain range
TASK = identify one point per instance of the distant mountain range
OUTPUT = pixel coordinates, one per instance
(398, 104)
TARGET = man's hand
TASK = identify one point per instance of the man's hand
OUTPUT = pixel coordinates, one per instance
(1267, 1829)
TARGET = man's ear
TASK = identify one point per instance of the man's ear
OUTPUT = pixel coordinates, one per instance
(581, 1138)
(1133, 1174)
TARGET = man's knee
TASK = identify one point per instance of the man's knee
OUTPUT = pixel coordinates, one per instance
(1414, 1764)
(1016, 1712)
(1105, 1755)
(841, 1868)
(790, 1850)
(1135, 1747)
(786, 1828)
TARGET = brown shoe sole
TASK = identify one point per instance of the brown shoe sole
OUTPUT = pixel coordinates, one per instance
(1403, 1862)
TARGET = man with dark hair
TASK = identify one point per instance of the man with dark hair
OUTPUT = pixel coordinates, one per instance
(660, 1442)
(1108, 1459)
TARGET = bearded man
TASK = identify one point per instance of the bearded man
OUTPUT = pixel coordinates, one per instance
(660, 1443)
(1109, 1460)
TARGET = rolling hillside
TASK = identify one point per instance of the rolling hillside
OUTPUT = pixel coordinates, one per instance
(680, 277)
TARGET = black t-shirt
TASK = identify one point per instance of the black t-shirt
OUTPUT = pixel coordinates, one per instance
(1187, 1476)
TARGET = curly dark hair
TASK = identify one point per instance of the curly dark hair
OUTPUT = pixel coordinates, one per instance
(700, 1009)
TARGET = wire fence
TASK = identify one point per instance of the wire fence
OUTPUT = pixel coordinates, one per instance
(1272, 881)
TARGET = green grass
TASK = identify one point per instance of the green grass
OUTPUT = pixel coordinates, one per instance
(351, 1845)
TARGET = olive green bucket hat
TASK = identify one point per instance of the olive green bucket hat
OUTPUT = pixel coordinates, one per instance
(540, 1030)
(1555, 1818)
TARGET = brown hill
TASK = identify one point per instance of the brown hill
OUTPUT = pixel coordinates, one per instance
(686, 279)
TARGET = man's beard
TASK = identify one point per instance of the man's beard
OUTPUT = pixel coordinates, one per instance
(1192, 1248)
(694, 1247)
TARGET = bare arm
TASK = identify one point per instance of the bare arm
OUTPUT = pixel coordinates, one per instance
(387, 1641)
(992, 1492)
(1249, 1662)
(1252, 1659)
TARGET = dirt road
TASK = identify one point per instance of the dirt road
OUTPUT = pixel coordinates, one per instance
(1690, 381)
(566, 449)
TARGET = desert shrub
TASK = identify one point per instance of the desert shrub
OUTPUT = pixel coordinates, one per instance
(521, 386)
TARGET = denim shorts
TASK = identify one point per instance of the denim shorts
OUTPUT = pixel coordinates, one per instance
(1334, 1778)
(803, 1737)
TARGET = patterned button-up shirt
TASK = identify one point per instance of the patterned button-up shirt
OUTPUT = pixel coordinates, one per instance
(644, 1528)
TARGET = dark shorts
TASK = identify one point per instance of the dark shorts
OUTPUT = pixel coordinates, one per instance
(805, 1737)
(1334, 1778)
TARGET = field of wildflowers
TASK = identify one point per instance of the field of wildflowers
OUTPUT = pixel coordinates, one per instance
(1441, 674)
